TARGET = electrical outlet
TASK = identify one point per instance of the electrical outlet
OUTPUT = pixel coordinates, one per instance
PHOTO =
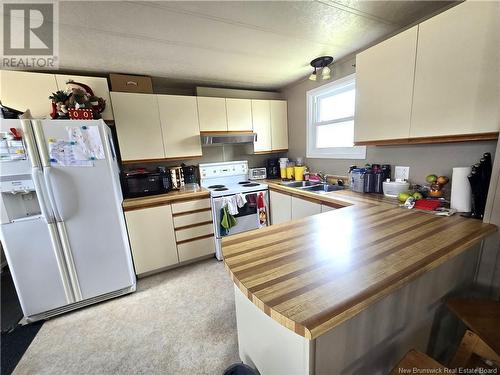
(402, 173)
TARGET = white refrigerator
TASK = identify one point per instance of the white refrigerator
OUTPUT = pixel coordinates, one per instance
(63, 228)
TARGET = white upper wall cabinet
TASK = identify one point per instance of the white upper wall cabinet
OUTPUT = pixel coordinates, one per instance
(138, 126)
(239, 114)
(279, 125)
(99, 86)
(261, 117)
(457, 79)
(23, 90)
(212, 113)
(180, 126)
(384, 87)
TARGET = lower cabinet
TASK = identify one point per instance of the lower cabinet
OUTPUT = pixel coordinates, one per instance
(325, 208)
(281, 207)
(304, 208)
(165, 235)
(152, 238)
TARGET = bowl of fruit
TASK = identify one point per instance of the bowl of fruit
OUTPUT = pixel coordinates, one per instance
(436, 184)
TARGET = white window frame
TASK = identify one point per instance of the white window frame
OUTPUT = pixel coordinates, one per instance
(355, 152)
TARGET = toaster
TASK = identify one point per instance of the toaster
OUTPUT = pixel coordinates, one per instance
(257, 173)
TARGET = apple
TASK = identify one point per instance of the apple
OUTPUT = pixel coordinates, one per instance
(432, 178)
(442, 180)
(402, 197)
(417, 195)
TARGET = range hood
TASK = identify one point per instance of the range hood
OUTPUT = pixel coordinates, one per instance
(217, 138)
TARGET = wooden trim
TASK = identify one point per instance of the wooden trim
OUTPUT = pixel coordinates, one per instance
(331, 204)
(191, 212)
(430, 140)
(308, 198)
(195, 238)
(212, 132)
(160, 159)
(193, 225)
(146, 205)
(270, 151)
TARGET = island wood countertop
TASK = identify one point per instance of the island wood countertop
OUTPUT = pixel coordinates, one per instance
(130, 204)
(312, 274)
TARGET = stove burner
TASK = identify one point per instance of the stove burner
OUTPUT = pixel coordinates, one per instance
(221, 189)
(250, 184)
(216, 187)
(244, 182)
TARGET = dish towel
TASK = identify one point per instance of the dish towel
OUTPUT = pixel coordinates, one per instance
(227, 220)
(240, 200)
(262, 210)
(231, 203)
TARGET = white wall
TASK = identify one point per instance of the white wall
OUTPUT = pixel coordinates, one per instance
(422, 159)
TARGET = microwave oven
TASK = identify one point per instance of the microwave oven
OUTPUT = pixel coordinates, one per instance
(140, 182)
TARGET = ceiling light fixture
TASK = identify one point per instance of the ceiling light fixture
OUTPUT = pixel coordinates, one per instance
(321, 63)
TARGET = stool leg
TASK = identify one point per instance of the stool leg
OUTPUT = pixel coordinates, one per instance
(472, 344)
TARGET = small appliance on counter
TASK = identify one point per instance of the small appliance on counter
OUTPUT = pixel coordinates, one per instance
(273, 168)
(190, 174)
(141, 182)
(177, 177)
(258, 174)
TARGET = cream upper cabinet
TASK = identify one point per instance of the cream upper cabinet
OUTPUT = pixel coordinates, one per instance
(180, 127)
(152, 238)
(239, 114)
(281, 207)
(99, 86)
(457, 79)
(304, 208)
(212, 113)
(384, 87)
(22, 90)
(138, 126)
(261, 118)
(279, 125)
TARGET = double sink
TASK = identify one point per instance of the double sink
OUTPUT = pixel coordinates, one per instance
(313, 187)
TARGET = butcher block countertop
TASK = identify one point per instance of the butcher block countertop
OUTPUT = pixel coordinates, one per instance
(312, 274)
(130, 204)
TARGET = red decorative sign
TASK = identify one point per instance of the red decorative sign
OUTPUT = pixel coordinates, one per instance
(81, 114)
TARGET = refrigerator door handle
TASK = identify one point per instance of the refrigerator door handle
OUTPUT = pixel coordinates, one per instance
(47, 171)
(37, 176)
(70, 264)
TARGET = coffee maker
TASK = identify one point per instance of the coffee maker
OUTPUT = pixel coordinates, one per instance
(273, 168)
(190, 174)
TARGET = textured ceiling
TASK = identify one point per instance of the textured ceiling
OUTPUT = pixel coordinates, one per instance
(248, 44)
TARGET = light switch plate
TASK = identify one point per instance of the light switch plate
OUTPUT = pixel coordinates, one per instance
(401, 173)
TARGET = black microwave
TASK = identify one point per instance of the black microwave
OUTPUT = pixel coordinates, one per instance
(140, 182)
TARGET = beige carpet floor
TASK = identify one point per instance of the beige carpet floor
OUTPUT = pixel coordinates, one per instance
(178, 322)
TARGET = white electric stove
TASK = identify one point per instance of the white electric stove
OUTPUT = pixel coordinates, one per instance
(226, 180)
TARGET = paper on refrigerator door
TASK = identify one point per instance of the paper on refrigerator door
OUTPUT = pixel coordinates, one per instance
(88, 139)
(66, 154)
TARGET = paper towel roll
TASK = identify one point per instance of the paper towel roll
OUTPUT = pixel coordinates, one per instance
(461, 196)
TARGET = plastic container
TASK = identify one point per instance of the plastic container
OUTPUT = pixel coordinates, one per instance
(290, 172)
(283, 165)
(393, 188)
(299, 173)
(357, 180)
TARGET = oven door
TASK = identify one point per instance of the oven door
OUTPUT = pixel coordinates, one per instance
(247, 217)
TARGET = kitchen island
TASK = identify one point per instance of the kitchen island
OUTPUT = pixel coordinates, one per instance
(346, 291)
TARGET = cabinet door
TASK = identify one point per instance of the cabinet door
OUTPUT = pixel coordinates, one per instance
(384, 88)
(304, 208)
(99, 86)
(138, 126)
(212, 113)
(325, 208)
(180, 127)
(239, 114)
(261, 119)
(22, 90)
(457, 79)
(281, 207)
(152, 239)
(279, 125)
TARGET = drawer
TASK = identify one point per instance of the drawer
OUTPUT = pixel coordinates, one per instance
(194, 218)
(195, 249)
(193, 205)
(193, 232)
